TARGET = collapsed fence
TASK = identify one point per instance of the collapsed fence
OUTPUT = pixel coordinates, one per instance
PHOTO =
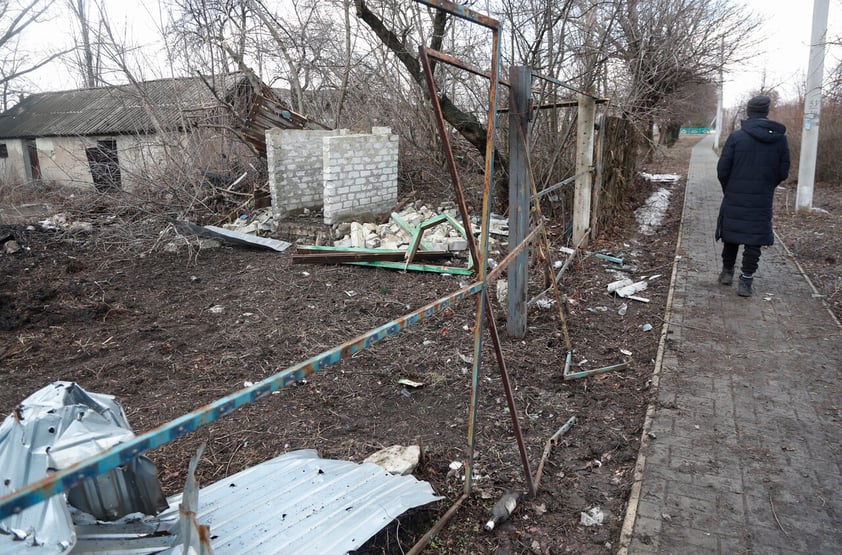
(526, 213)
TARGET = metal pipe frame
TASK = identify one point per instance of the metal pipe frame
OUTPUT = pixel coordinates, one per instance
(479, 254)
(568, 87)
(120, 454)
(456, 62)
(463, 12)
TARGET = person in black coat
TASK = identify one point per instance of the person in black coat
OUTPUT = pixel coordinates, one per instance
(754, 160)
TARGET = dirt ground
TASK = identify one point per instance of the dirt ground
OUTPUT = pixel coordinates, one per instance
(136, 323)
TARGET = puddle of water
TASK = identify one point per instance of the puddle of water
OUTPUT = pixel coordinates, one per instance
(650, 216)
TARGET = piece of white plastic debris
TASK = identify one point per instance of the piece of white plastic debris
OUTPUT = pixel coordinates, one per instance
(592, 517)
(631, 289)
(626, 352)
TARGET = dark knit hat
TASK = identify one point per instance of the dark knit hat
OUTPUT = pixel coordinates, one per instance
(758, 107)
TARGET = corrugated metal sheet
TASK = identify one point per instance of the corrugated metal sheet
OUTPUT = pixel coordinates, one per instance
(292, 504)
(115, 110)
(52, 429)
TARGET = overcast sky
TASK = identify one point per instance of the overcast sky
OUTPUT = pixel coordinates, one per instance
(783, 56)
(785, 52)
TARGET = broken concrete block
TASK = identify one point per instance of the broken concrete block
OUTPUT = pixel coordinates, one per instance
(11, 247)
(457, 244)
(502, 291)
(357, 235)
(397, 459)
(372, 242)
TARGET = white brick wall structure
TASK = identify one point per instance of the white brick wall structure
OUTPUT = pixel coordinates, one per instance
(360, 174)
(294, 159)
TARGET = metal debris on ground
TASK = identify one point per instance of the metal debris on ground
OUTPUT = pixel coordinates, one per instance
(307, 504)
(416, 234)
(234, 237)
(53, 429)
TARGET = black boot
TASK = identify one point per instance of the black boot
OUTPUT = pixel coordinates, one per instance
(726, 276)
(744, 288)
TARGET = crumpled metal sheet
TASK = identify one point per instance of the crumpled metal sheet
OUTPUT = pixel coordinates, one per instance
(56, 427)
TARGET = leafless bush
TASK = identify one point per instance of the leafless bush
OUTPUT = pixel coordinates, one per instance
(829, 152)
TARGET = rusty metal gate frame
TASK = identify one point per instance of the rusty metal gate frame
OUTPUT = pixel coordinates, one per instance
(120, 454)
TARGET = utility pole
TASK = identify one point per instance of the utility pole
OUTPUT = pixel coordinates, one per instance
(718, 133)
(812, 108)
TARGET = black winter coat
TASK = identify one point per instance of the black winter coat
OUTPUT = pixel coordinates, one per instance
(754, 160)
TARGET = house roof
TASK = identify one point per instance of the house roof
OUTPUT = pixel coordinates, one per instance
(115, 110)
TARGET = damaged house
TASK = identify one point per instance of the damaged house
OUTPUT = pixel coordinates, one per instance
(122, 136)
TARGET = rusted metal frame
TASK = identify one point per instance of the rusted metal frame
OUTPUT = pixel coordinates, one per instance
(487, 196)
(568, 375)
(510, 399)
(562, 84)
(483, 300)
(463, 12)
(447, 148)
(121, 454)
(552, 442)
(456, 62)
(419, 546)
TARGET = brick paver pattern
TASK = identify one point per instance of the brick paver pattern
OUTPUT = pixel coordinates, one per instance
(744, 451)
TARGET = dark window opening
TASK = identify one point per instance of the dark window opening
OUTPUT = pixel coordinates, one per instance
(4, 151)
(105, 166)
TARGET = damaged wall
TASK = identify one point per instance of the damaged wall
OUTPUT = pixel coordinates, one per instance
(347, 174)
(294, 158)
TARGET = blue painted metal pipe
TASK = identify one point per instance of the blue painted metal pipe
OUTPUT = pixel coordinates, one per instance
(120, 454)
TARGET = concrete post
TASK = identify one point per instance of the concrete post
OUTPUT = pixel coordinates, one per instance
(812, 108)
(584, 167)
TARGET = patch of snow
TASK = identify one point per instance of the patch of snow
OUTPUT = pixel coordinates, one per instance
(651, 215)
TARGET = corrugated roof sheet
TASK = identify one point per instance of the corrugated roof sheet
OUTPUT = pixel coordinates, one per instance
(295, 503)
(114, 110)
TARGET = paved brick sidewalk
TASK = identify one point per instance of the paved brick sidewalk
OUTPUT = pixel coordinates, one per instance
(743, 453)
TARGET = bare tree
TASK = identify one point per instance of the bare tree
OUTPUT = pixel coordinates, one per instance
(199, 27)
(88, 52)
(662, 45)
(15, 18)
(397, 42)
